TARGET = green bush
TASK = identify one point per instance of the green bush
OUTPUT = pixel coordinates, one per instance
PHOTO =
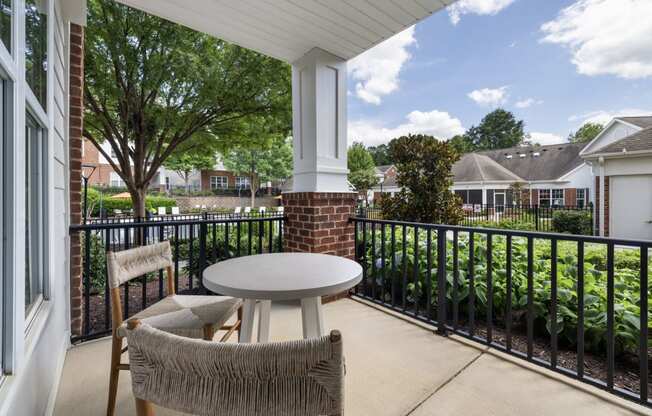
(507, 224)
(97, 258)
(111, 204)
(572, 222)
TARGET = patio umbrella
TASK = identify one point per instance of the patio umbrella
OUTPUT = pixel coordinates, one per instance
(122, 195)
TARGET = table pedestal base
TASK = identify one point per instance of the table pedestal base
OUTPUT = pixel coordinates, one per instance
(312, 319)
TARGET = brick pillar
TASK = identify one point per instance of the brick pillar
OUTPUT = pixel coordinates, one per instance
(318, 222)
(76, 114)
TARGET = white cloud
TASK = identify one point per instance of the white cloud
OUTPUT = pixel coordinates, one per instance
(605, 37)
(377, 70)
(439, 124)
(528, 102)
(481, 7)
(489, 97)
(605, 116)
(546, 138)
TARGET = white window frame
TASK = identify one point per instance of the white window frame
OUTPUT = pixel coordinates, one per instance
(115, 181)
(219, 182)
(548, 198)
(553, 199)
(239, 182)
(582, 198)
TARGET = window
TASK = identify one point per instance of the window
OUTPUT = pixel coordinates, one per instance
(36, 48)
(558, 197)
(35, 209)
(581, 198)
(116, 180)
(219, 182)
(241, 182)
(544, 197)
(6, 14)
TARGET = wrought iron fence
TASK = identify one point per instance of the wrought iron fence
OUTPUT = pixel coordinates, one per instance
(577, 305)
(196, 243)
(193, 216)
(532, 217)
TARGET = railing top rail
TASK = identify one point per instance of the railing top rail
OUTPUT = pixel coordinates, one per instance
(513, 233)
(139, 223)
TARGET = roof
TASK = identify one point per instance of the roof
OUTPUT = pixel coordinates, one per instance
(384, 168)
(539, 163)
(287, 30)
(476, 167)
(638, 142)
(642, 122)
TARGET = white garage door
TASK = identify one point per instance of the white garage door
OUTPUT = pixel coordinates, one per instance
(631, 207)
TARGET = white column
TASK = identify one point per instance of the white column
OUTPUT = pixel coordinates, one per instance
(603, 200)
(319, 123)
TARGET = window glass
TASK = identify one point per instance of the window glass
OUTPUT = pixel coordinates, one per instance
(581, 198)
(558, 197)
(34, 212)
(544, 197)
(6, 14)
(241, 182)
(36, 48)
(219, 182)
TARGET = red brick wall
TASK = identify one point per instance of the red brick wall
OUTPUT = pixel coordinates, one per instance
(76, 114)
(318, 222)
(570, 196)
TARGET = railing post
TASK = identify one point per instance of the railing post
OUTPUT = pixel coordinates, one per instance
(536, 217)
(441, 281)
(202, 253)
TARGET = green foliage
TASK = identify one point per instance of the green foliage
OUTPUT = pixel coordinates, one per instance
(184, 163)
(124, 204)
(152, 87)
(573, 222)
(423, 166)
(386, 276)
(497, 130)
(97, 258)
(362, 172)
(380, 154)
(507, 224)
(586, 133)
(461, 143)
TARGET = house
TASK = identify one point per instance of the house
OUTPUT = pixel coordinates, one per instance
(621, 161)
(546, 176)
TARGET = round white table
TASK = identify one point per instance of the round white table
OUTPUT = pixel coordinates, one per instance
(282, 276)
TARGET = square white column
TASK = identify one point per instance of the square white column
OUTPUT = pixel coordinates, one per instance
(319, 123)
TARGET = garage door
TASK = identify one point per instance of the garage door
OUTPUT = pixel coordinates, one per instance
(630, 207)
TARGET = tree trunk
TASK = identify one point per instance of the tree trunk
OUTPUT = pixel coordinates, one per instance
(138, 202)
(252, 189)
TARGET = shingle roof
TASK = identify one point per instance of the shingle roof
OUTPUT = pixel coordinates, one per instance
(476, 167)
(540, 163)
(639, 141)
(642, 122)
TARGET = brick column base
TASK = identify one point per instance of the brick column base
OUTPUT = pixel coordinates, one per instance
(318, 222)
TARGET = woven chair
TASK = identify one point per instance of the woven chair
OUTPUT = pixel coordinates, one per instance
(296, 378)
(187, 316)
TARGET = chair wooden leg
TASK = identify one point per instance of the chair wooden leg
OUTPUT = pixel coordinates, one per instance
(239, 320)
(114, 373)
(209, 332)
(144, 408)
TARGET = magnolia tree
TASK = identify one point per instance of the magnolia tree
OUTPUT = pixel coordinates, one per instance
(423, 172)
(153, 87)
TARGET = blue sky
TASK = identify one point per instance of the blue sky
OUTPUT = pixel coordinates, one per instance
(554, 63)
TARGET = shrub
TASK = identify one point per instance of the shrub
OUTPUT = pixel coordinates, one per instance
(111, 204)
(97, 258)
(572, 222)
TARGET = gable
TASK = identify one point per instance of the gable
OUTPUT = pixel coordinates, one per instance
(616, 130)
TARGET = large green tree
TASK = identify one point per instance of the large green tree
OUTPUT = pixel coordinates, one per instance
(423, 166)
(497, 130)
(362, 170)
(151, 87)
(184, 163)
(261, 159)
(380, 154)
(586, 133)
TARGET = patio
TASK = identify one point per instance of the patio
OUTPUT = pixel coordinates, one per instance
(394, 367)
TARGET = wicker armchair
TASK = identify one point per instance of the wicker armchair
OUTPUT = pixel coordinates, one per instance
(297, 378)
(188, 316)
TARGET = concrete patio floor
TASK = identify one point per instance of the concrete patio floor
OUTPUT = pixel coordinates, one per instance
(394, 368)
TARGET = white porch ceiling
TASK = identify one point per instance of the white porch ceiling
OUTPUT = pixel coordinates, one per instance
(287, 29)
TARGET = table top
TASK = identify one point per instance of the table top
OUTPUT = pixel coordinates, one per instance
(282, 276)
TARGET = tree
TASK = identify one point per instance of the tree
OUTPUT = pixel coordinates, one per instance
(461, 144)
(362, 170)
(187, 162)
(586, 133)
(423, 166)
(267, 160)
(380, 154)
(497, 130)
(152, 87)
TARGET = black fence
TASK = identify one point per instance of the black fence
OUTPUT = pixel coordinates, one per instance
(196, 244)
(520, 217)
(205, 215)
(577, 305)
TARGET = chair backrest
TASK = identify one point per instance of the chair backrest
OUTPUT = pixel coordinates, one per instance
(280, 210)
(175, 210)
(237, 210)
(247, 210)
(262, 210)
(123, 266)
(162, 211)
(303, 377)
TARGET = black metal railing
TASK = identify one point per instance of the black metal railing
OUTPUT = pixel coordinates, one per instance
(520, 217)
(192, 216)
(577, 305)
(196, 244)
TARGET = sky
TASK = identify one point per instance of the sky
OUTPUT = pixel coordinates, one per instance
(554, 63)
